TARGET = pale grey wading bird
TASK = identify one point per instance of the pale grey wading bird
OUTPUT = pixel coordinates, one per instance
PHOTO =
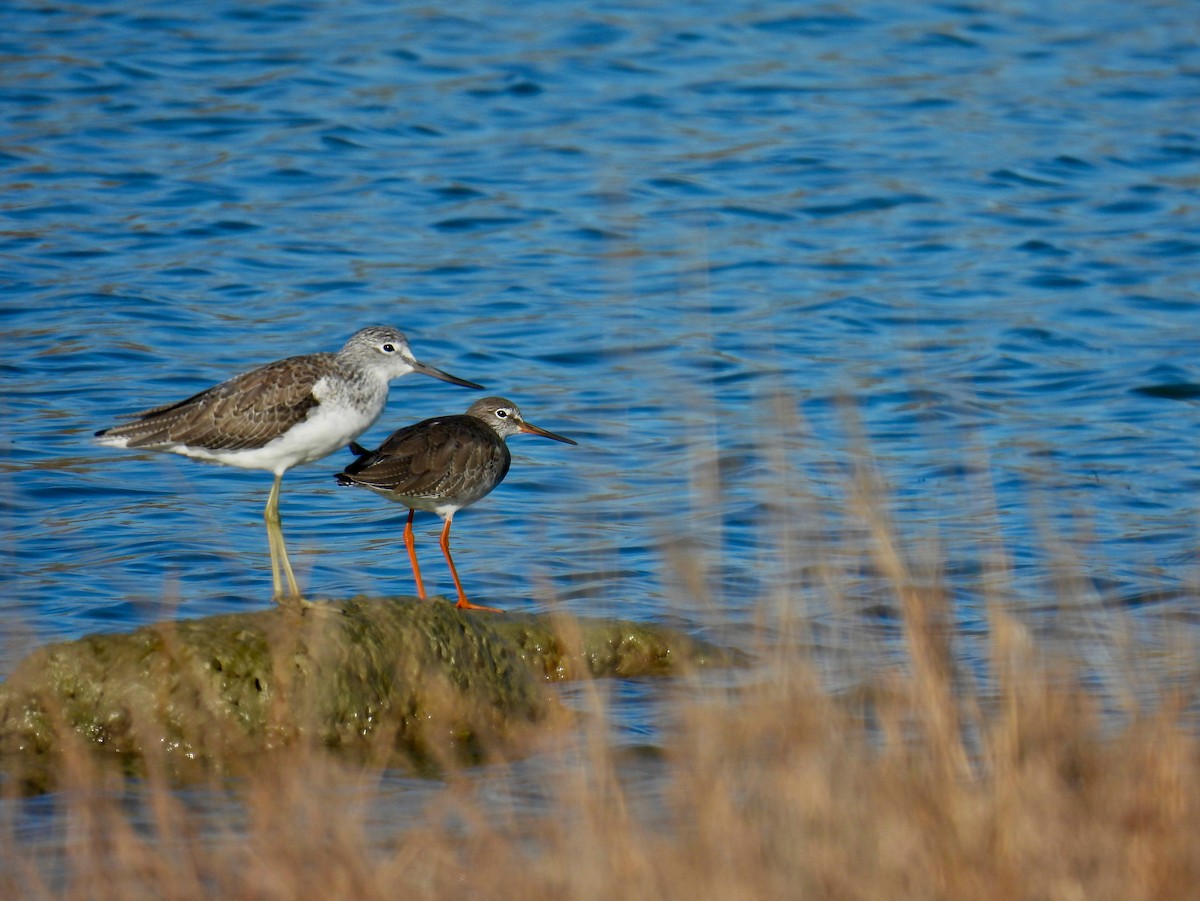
(442, 465)
(280, 415)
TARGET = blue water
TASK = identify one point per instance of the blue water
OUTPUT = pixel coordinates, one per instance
(734, 251)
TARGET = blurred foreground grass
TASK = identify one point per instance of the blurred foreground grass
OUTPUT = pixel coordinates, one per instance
(912, 783)
(779, 790)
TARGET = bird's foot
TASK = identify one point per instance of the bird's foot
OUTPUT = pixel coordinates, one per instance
(464, 604)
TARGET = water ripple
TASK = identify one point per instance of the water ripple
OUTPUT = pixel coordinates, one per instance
(724, 254)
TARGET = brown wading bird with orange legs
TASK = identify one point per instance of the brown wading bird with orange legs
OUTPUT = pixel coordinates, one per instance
(441, 465)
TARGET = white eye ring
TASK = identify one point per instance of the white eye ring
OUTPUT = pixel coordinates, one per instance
(388, 348)
(502, 413)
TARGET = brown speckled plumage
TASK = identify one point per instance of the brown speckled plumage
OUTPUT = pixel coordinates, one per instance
(246, 411)
(347, 390)
(435, 462)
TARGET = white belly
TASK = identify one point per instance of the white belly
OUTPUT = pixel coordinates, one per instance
(330, 426)
(324, 432)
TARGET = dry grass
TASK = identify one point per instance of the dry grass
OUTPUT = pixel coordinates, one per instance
(773, 791)
(769, 785)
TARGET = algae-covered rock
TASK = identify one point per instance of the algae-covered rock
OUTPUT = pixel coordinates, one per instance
(577, 649)
(395, 680)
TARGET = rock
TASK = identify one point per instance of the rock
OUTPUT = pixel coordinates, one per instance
(392, 681)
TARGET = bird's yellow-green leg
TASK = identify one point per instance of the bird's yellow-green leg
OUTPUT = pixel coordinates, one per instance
(279, 555)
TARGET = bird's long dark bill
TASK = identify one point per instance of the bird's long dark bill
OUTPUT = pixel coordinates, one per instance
(535, 430)
(426, 369)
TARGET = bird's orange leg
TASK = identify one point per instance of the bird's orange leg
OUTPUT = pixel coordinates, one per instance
(411, 544)
(463, 603)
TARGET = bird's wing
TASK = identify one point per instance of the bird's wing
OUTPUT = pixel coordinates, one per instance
(245, 412)
(452, 456)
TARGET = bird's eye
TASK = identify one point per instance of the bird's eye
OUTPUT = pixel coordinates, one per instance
(502, 414)
(388, 348)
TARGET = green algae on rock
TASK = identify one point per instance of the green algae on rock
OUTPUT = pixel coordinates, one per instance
(398, 681)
